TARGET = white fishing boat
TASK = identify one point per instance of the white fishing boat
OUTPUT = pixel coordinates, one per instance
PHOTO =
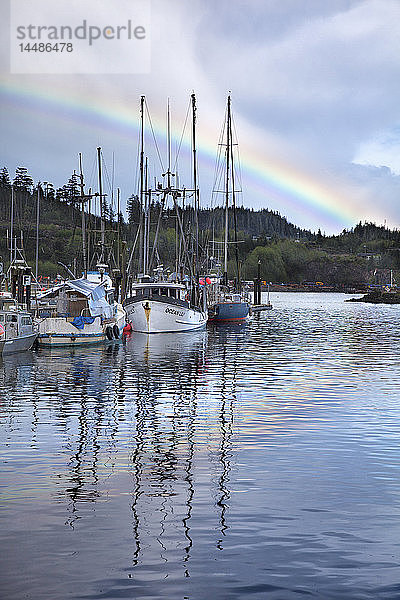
(152, 304)
(78, 312)
(17, 331)
(163, 307)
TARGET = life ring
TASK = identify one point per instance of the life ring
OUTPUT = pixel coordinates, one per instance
(2, 330)
(116, 331)
(109, 333)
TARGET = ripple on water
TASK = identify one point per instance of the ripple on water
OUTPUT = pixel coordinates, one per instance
(248, 461)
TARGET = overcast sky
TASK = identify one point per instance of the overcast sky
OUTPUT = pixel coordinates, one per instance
(315, 94)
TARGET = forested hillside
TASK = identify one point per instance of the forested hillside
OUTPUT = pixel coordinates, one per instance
(365, 254)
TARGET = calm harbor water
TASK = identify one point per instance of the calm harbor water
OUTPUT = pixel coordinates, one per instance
(242, 462)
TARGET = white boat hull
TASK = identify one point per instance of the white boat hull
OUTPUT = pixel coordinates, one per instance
(153, 316)
(17, 344)
(58, 331)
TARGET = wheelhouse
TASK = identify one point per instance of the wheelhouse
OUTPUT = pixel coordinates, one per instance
(161, 290)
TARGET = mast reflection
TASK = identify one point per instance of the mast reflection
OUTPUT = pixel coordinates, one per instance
(152, 418)
(166, 370)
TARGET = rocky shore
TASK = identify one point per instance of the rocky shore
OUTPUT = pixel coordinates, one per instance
(378, 297)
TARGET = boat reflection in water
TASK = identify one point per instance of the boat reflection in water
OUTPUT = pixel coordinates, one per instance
(182, 443)
(135, 429)
(244, 461)
(17, 369)
(142, 347)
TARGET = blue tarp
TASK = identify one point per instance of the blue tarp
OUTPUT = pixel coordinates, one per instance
(80, 322)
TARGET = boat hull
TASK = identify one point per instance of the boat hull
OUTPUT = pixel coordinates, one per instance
(58, 331)
(153, 316)
(59, 339)
(17, 344)
(229, 311)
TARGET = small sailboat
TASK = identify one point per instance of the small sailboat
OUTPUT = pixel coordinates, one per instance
(154, 303)
(228, 302)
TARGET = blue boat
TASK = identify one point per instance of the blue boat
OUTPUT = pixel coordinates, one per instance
(231, 308)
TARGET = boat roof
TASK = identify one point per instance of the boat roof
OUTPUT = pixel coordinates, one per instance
(158, 284)
(83, 286)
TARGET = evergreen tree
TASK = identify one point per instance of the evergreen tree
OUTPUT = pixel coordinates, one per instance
(133, 209)
(5, 181)
(71, 190)
(22, 180)
(48, 190)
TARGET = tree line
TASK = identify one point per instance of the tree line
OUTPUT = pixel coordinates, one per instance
(287, 253)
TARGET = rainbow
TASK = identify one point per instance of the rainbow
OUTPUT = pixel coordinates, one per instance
(290, 189)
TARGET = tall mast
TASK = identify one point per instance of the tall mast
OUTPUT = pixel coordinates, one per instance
(12, 225)
(169, 146)
(37, 232)
(141, 189)
(227, 177)
(145, 223)
(102, 224)
(118, 226)
(85, 269)
(196, 192)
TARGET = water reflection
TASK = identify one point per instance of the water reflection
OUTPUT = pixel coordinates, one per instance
(242, 461)
(165, 392)
(16, 369)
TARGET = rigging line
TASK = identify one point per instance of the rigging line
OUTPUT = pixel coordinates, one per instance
(109, 183)
(112, 179)
(183, 133)
(128, 268)
(155, 242)
(235, 217)
(219, 168)
(238, 169)
(137, 179)
(154, 136)
(93, 183)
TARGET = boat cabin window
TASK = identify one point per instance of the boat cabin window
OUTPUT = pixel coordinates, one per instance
(26, 321)
(11, 318)
(148, 292)
(1, 318)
